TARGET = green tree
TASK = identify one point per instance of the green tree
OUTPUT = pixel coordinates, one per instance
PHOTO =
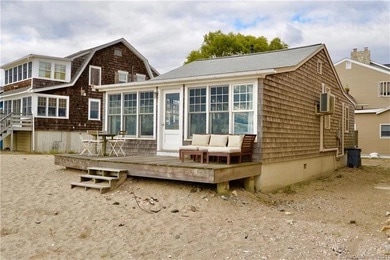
(218, 44)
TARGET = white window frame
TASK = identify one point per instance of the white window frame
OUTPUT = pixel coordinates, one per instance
(384, 88)
(90, 100)
(380, 131)
(54, 71)
(91, 67)
(139, 113)
(44, 69)
(140, 77)
(348, 65)
(123, 76)
(231, 110)
(47, 97)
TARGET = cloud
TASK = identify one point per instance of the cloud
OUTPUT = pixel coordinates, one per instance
(165, 32)
(292, 35)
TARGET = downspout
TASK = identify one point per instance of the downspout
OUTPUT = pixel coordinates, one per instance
(33, 132)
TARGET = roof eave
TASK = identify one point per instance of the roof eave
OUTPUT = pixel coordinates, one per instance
(187, 80)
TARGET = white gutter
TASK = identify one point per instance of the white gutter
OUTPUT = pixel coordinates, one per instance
(187, 80)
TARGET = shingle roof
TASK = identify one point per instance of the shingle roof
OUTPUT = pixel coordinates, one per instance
(243, 63)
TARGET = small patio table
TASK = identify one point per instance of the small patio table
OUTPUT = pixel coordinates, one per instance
(104, 136)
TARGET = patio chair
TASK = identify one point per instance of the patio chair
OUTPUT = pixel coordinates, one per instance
(91, 146)
(117, 143)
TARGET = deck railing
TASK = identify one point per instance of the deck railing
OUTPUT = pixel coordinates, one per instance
(13, 121)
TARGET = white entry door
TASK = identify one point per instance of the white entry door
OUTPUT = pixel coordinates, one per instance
(171, 123)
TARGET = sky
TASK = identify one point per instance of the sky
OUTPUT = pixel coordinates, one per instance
(165, 32)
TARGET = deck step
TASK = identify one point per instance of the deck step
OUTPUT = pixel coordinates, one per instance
(100, 186)
(106, 171)
(104, 179)
(97, 177)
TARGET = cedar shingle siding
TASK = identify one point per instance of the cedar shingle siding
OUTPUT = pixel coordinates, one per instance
(78, 104)
(290, 127)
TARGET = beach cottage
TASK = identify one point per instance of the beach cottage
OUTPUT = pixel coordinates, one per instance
(48, 101)
(292, 99)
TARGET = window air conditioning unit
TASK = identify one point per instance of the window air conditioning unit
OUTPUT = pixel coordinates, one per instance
(326, 103)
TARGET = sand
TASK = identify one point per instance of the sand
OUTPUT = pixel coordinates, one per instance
(339, 217)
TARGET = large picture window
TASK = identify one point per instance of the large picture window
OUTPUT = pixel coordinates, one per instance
(221, 109)
(137, 115)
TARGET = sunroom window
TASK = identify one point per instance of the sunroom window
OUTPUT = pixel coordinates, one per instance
(219, 109)
(243, 109)
(137, 116)
(197, 111)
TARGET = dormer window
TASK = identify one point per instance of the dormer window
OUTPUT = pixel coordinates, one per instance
(59, 71)
(18, 73)
(51, 70)
(44, 69)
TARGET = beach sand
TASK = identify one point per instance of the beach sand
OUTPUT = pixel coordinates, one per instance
(336, 217)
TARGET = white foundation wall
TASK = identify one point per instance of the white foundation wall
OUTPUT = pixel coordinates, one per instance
(277, 175)
(57, 141)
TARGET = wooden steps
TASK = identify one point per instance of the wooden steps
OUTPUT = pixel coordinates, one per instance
(103, 179)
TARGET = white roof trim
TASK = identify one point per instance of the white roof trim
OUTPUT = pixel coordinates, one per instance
(384, 70)
(30, 57)
(188, 80)
(372, 111)
(16, 93)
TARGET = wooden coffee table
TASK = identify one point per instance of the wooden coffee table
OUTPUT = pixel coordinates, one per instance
(195, 153)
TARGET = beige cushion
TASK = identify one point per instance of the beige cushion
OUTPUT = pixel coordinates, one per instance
(224, 150)
(203, 148)
(235, 140)
(189, 147)
(200, 140)
(218, 140)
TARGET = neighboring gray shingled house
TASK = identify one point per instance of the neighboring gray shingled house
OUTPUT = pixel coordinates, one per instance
(275, 95)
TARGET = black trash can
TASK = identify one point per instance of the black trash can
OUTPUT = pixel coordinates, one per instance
(354, 159)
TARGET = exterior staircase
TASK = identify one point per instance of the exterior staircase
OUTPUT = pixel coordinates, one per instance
(103, 179)
(14, 122)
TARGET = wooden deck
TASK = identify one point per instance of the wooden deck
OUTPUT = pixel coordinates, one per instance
(170, 168)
